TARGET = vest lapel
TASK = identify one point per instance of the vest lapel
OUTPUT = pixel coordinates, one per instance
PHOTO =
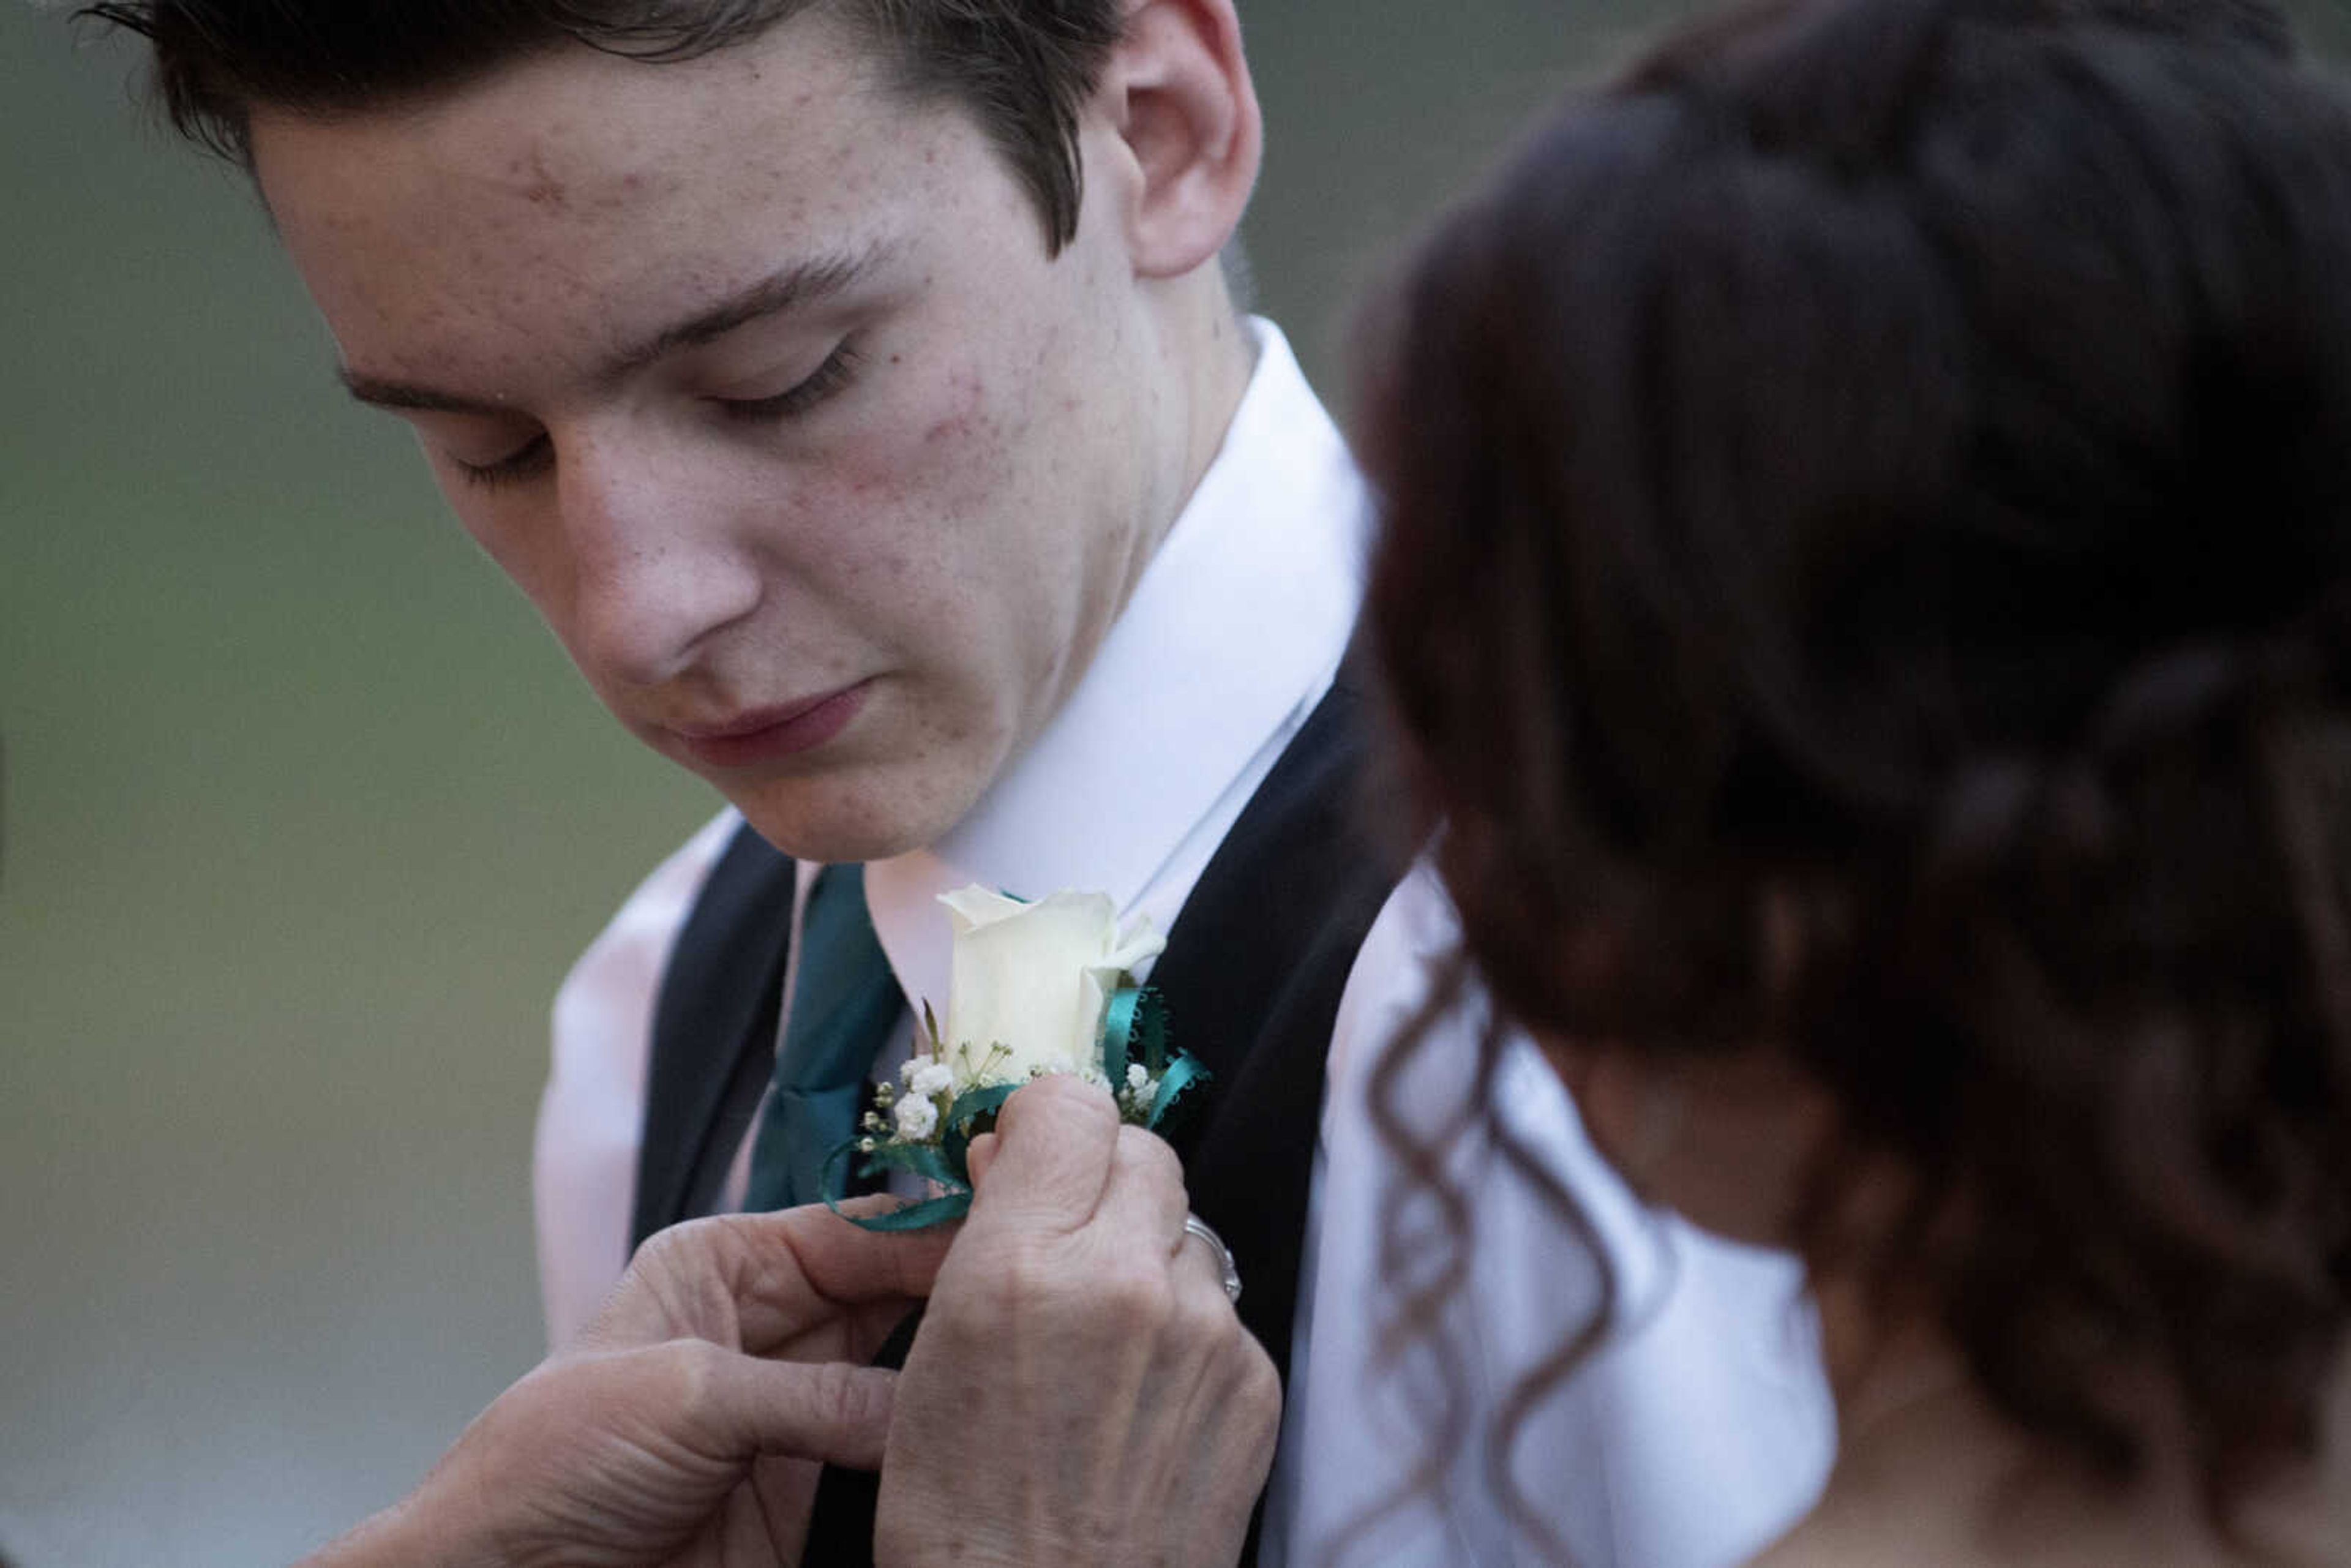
(1252, 977)
(714, 1032)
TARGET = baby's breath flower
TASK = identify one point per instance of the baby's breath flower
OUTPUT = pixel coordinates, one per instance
(917, 1118)
(1136, 1095)
(931, 1078)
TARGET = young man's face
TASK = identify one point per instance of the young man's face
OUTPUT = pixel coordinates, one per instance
(759, 381)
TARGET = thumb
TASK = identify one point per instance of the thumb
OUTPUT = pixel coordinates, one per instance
(979, 1158)
(831, 1411)
(1056, 1141)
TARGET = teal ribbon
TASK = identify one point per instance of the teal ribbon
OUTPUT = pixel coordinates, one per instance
(1135, 1030)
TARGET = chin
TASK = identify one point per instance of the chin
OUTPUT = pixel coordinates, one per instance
(848, 820)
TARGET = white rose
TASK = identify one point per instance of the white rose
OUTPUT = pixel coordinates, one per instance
(1035, 979)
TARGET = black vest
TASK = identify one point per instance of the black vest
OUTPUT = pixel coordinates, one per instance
(1251, 977)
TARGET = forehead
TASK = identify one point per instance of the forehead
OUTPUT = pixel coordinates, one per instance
(578, 178)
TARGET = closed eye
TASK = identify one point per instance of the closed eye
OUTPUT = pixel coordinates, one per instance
(534, 457)
(838, 371)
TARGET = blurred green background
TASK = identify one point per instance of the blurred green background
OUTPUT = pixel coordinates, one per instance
(305, 816)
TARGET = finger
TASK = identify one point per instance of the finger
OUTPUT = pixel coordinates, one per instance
(1199, 1266)
(808, 1265)
(753, 1280)
(1144, 1197)
(1055, 1142)
(741, 1406)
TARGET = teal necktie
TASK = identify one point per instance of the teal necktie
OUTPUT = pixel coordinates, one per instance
(845, 1001)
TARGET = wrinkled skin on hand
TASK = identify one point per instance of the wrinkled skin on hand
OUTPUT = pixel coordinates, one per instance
(1081, 1392)
(687, 1424)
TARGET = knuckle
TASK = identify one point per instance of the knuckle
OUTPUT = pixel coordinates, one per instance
(685, 1279)
(1025, 1280)
(682, 1249)
(1151, 1156)
(1257, 1398)
(1061, 1097)
(1135, 1300)
(690, 1368)
(1205, 1317)
(660, 1250)
(1260, 1383)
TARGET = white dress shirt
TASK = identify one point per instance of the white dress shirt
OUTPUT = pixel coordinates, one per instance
(1701, 1430)
(1231, 638)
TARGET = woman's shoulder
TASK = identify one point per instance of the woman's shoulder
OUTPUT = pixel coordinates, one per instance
(2305, 1517)
(1954, 1499)
(1851, 1539)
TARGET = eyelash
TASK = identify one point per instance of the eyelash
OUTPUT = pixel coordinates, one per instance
(827, 379)
(839, 367)
(508, 470)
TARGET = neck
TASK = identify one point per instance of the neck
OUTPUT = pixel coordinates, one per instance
(1207, 354)
(1220, 353)
(1900, 1385)
(1878, 1364)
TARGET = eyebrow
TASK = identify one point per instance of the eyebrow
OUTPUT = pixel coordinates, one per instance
(789, 289)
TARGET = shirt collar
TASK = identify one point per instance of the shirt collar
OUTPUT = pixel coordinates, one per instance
(1243, 612)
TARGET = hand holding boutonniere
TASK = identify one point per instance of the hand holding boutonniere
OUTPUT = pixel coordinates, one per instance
(1034, 990)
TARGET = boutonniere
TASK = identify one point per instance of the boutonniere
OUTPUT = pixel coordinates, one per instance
(1033, 988)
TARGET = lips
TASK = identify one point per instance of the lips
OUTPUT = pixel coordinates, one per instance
(771, 734)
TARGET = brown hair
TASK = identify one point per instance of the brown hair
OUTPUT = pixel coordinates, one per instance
(1887, 463)
(1022, 69)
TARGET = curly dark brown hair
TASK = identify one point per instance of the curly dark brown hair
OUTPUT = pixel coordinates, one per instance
(1888, 463)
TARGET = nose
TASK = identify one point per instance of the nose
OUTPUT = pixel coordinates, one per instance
(659, 560)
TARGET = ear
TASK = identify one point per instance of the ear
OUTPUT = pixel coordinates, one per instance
(1177, 91)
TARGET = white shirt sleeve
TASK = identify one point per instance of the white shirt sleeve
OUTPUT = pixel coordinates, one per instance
(592, 1115)
(1700, 1431)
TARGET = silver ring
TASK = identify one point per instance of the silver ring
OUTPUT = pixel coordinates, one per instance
(1195, 1226)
